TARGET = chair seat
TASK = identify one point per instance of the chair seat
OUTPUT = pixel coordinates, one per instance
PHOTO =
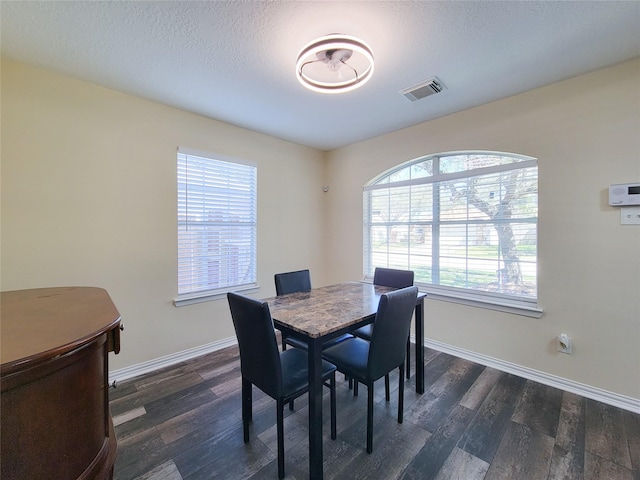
(295, 377)
(301, 344)
(364, 332)
(350, 356)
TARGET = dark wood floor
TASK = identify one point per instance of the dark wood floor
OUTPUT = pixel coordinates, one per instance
(472, 423)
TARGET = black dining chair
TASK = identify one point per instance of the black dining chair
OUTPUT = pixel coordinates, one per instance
(367, 362)
(388, 277)
(294, 282)
(281, 375)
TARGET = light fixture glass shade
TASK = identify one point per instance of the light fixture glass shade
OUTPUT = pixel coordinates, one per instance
(334, 64)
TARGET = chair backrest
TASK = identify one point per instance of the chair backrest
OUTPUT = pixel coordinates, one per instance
(259, 356)
(390, 277)
(292, 282)
(391, 330)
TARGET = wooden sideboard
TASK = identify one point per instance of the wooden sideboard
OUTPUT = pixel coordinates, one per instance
(54, 414)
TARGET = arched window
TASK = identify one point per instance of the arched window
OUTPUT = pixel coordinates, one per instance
(464, 222)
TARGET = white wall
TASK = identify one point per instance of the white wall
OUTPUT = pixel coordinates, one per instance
(586, 134)
(89, 198)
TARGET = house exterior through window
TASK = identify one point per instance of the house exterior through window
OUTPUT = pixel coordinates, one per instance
(217, 217)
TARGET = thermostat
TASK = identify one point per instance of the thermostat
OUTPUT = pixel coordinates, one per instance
(624, 194)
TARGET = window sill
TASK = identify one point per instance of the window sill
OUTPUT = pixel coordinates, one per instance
(212, 295)
(527, 309)
(500, 304)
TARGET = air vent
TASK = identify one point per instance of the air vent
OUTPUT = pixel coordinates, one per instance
(423, 89)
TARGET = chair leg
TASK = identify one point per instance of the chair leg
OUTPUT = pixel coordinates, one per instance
(401, 395)
(280, 430)
(387, 395)
(350, 383)
(291, 405)
(332, 383)
(246, 408)
(370, 417)
(408, 360)
(355, 387)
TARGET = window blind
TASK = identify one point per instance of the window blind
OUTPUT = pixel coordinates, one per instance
(217, 216)
(465, 223)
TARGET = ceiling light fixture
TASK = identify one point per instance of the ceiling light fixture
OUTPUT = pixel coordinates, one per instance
(334, 64)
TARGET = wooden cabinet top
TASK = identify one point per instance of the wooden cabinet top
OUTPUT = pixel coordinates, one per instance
(41, 323)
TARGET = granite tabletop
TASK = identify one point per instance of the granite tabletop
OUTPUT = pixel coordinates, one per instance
(324, 310)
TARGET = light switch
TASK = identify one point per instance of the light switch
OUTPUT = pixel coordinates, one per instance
(630, 215)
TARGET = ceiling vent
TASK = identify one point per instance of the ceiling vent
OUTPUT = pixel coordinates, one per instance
(423, 89)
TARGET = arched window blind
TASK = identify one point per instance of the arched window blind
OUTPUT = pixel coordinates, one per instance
(465, 223)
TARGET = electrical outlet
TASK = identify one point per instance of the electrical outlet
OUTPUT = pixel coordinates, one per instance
(564, 343)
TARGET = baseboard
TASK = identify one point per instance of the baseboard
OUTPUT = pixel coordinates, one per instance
(127, 373)
(604, 396)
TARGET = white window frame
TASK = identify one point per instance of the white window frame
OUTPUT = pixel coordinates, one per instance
(496, 301)
(217, 226)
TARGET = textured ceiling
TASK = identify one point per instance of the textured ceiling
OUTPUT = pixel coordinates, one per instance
(235, 61)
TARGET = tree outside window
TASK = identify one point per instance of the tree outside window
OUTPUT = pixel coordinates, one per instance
(464, 222)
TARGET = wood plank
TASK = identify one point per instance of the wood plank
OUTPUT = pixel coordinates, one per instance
(632, 425)
(567, 461)
(165, 471)
(442, 396)
(539, 408)
(605, 433)
(224, 457)
(179, 402)
(485, 432)
(149, 389)
(338, 455)
(139, 454)
(436, 368)
(216, 363)
(207, 416)
(394, 446)
(429, 355)
(598, 468)
(129, 415)
(429, 460)
(480, 388)
(216, 416)
(227, 383)
(122, 389)
(463, 466)
(533, 450)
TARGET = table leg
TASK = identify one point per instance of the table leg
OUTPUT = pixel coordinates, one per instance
(315, 409)
(419, 327)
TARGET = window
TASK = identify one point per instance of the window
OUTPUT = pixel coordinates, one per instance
(216, 226)
(465, 223)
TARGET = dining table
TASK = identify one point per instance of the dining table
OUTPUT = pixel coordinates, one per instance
(320, 314)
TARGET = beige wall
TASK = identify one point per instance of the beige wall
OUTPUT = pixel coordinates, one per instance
(89, 198)
(585, 133)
